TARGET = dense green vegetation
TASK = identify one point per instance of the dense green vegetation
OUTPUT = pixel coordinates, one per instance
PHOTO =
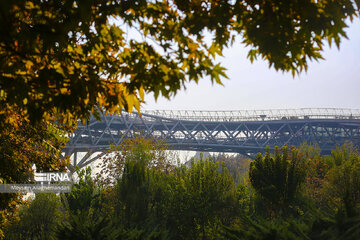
(142, 194)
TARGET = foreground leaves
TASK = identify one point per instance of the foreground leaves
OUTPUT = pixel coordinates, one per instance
(70, 57)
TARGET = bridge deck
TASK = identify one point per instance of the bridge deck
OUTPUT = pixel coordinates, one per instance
(257, 115)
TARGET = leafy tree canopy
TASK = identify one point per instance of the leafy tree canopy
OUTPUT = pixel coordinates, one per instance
(278, 179)
(21, 145)
(69, 56)
(39, 219)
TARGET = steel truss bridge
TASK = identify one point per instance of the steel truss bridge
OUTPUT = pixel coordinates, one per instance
(245, 132)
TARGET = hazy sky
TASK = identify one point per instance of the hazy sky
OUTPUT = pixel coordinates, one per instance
(333, 82)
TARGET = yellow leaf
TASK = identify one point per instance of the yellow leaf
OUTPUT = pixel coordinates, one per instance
(137, 105)
(142, 93)
(29, 5)
(130, 102)
(28, 65)
(63, 90)
(193, 46)
(164, 68)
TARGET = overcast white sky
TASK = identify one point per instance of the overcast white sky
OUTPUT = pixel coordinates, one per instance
(333, 82)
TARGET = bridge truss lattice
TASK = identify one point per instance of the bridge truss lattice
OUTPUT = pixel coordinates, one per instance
(246, 132)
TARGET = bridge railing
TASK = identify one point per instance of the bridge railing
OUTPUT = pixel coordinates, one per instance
(257, 115)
